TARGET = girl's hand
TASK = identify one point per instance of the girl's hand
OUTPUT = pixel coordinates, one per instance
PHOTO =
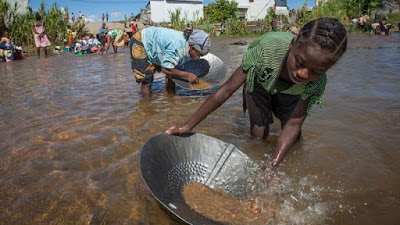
(193, 79)
(178, 129)
(271, 177)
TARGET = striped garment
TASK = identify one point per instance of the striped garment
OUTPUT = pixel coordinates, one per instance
(263, 61)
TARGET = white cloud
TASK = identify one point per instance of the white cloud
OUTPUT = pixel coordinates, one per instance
(116, 15)
(92, 18)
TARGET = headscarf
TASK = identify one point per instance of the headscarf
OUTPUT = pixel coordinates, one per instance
(200, 40)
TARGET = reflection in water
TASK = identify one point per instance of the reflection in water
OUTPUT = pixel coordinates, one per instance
(71, 129)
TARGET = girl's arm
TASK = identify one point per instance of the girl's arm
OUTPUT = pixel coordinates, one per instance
(34, 28)
(290, 132)
(179, 73)
(213, 102)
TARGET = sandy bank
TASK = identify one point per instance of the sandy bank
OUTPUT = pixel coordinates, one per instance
(94, 26)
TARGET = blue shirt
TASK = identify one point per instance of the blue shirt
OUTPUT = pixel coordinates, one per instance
(102, 30)
(165, 47)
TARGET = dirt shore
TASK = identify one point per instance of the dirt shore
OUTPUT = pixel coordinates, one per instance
(95, 26)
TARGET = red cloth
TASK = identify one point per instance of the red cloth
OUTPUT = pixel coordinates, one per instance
(133, 28)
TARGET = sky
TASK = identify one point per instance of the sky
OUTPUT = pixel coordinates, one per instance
(117, 9)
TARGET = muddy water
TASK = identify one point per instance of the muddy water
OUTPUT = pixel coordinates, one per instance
(71, 129)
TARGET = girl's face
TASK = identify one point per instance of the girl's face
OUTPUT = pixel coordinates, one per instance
(194, 54)
(307, 63)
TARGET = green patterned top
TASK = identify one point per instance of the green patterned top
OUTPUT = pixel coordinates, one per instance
(263, 61)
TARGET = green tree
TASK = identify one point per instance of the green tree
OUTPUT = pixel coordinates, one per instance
(337, 9)
(4, 9)
(352, 8)
(19, 26)
(221, 10)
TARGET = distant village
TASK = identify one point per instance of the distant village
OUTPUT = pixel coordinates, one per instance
(249, 10)
(158, 11)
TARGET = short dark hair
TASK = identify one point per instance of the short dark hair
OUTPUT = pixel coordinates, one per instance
(327, 33)
(38, 17)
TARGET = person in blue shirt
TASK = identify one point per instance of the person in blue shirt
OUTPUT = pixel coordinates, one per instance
(103, 29)
(162, 49)
(102, 34)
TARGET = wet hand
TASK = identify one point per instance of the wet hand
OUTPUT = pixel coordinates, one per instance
(193, 79)
(271, 177)
(178, 129)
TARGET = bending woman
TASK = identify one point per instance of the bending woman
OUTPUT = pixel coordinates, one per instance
(162, 49)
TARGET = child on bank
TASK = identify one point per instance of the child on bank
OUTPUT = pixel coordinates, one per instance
(282, 75)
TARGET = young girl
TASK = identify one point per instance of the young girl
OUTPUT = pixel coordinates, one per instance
(284, 75)
(40, 36)
(158, 48)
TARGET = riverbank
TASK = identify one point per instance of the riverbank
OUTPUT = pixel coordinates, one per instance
(31, 50)
(93, 27)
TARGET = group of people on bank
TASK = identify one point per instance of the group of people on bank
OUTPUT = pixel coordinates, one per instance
(9, 51)
(79, 19)
(111, 37)
(380, 26)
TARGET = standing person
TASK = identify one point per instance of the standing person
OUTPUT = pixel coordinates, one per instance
(132, 18)
(384, 27)
(283, 75)
(102, 37)
(73, 17)
(162, 49)
(66, 17)
(188, 29)
(79, 17)
(103, 30)
(102, 18)
(40, 36)
(273, 23)
(71, 36)
(107, 16)
(133, 27)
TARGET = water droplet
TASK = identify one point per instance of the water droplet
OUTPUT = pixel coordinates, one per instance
(172, 206)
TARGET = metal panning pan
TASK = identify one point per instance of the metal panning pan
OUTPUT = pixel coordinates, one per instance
(168, 162)
(209, 68)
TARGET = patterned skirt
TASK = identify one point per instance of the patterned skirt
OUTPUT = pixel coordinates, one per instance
(141, 67)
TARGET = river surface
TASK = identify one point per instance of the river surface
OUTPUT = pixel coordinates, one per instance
(71, 129)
